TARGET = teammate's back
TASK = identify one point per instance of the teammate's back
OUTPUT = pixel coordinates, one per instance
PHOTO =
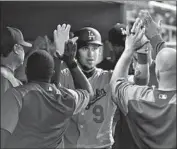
(44, 115)
(149, 112)
(37, 114)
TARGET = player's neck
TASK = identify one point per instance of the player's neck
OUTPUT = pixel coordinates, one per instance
(87, 71)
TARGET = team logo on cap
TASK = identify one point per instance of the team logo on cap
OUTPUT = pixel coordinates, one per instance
(123, 31)
(91, 36)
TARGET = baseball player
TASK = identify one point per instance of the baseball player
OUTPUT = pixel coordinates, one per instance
(36, 115)
(115, 45)
(123, 137)
(92, 127)
(12, 56)
(149, 112)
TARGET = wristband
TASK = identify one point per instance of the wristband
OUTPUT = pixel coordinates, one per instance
(72, 65)
(142, 58)
(140, 81)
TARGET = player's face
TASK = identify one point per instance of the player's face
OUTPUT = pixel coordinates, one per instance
(88, 55)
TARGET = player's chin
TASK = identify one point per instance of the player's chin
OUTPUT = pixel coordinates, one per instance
(90, 64)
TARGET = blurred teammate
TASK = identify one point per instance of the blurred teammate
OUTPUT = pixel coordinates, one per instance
(117, 36)
(40, 43)
(36, 115)
(12, 56)
(152, 32)
(116, 44)
(149, 112)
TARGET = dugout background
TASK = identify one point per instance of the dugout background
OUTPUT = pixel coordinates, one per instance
(41, 18)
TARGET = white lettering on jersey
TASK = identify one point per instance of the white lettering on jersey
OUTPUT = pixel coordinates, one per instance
(99, 94)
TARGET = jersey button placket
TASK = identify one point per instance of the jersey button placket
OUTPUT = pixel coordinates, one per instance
(82, 120)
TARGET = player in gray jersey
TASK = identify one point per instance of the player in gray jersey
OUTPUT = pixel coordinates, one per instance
(92, 127)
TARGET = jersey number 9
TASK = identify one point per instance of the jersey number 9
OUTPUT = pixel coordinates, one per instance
(99, 114)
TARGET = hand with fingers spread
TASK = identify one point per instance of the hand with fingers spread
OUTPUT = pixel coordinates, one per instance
(70, 51)
(152, 28)
(133, 40)
(144, 39)
(61, 36)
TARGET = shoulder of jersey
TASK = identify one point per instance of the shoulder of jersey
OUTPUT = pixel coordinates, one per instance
(24, 89)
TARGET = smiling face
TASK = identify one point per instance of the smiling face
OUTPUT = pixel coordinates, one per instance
(88, 55)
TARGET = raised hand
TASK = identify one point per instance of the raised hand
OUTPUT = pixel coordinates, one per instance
(152, 28)
(144, 39)
(70, 51)
(133, 39)
(61, 36)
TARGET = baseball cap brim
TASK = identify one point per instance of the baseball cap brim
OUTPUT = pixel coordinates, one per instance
(18, 36)
(95, 42)
(26, 44)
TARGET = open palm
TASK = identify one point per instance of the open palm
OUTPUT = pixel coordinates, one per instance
(61, 36)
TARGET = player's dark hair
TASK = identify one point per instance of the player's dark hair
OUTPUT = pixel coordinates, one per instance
(7, 43)
(40, 66)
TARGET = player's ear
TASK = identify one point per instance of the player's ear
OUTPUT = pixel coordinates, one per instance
(15, 48)
(100, 50)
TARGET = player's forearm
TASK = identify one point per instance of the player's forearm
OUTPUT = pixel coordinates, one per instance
(141, 76)
(80, 80)
(157, 44)
(122, 66)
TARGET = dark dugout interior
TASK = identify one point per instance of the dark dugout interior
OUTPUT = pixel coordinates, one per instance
(41, 18)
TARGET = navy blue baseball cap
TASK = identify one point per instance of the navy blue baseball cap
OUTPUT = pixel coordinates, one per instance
(88, 35)
(116, 34)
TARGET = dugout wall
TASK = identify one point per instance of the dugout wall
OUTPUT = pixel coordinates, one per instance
(42, 17)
